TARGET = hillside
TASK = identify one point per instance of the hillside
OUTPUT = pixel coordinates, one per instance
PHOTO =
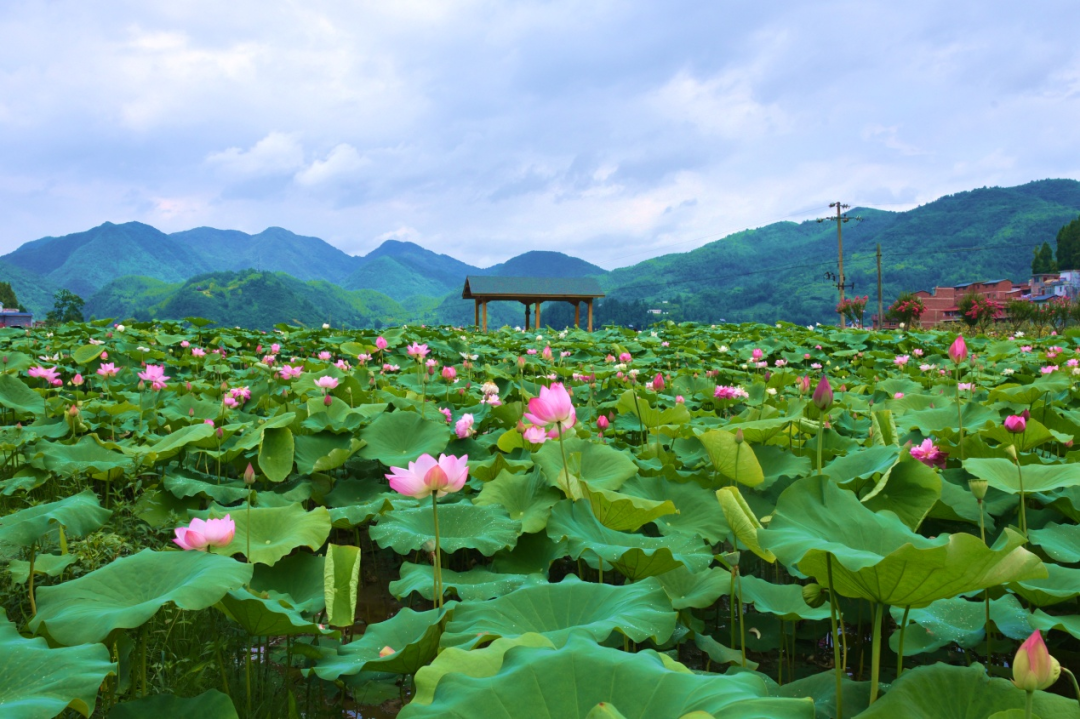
(540, 263)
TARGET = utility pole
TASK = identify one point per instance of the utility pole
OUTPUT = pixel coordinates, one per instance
(841, 218)
(880, 306)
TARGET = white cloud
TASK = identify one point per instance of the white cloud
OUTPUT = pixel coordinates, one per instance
(342, 163)
(276, 153)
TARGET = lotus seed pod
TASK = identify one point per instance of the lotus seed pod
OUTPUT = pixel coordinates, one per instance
(813, 595)
(978, 488)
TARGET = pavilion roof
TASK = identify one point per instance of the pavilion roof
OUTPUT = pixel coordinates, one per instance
(530, 287)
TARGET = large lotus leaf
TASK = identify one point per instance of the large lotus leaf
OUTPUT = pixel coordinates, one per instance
(482, 662)
(784, 600)
(324, 451)
(528, 498)
(686, 589)
(544, 683)
(935, 421)
(1002, 474)
(744, 525)
(760, 431)
(170, 445)
(127, 592)
(1059, 541)
(941, 691)
(958, 620)
(413, 637)
(276, 452)
(354, 502)
(79, 514)
(625, 512)
(37, 682)
(265, 617)
(1062, 584)
(251, 437)
(640, 611)
(878, 558)
(910, 492)
(1046, 622)
(462, 525)
(697, 513)
(182, 484)
(731, 459)
(635, 555)
(397, 438)
(341, 582)
(14, 394)
(821, 688)
(650, 417)
(720, 653)
(299, 579)
(211, 704)
(777, 462)
(601, 465)
(50, 565)
(477, 584)
(862, 464)
(87, 456)
(275, 531)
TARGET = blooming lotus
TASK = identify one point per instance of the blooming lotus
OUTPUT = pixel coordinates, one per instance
(288, 372)
(553, 408)
(928, 454)
(107, 370)
(535, 435)
(201, 534)
(463, 427)
(417, 351)
(326, 383)
(380, 343)
(155, 375)
(198, 352)
(727, 392)
(324, 356)
(428, 475)
(49, 374)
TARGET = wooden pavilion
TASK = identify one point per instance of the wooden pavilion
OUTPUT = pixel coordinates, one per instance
(531, 291)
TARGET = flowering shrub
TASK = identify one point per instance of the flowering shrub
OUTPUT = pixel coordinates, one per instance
(907, 309)
(978, 310)
(853, 308)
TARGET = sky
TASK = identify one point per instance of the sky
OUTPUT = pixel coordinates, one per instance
(612, 131)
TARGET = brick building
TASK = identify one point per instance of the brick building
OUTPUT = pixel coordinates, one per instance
(941, 302)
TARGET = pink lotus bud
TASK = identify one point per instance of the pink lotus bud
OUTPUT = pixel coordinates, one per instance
(328, 400)
(757, 355)
(380, 343)
(658, 383)
(958, 351)
(249, 475)
(77, 380)
(521, 362)
(1033, 667)
(73, 411)
(449, 373)
(602, 423)
(387, 650)
(191, 412)
(219, 433)
(187, 386)
(57, 383)
(1016, 423)
(679, 399)
(625, 357)
(104, 355)
(823, 394)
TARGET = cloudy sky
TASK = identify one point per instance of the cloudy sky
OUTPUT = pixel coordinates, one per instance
(614, 131)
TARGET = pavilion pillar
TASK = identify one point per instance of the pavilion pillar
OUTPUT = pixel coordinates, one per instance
(476, 312)
(528, 315)
(538, 315)
(590, 314)
(485, 315)
(577, 315)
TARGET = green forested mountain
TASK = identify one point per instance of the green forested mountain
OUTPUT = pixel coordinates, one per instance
(765, 274)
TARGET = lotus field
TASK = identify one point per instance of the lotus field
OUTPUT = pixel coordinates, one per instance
(730, 522)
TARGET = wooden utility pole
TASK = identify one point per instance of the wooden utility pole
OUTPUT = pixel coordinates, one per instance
(880, 306)
(840, 218)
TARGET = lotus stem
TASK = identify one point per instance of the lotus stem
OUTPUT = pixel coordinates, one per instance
(1076, 687)
(637, 409)
(1028, 704)
(742, 623)
(30, 579)
(731, 605)
(565, 468)
(1023, 498)
(960, 413)
(986, 593)
(247, 676)
(875, 659)
(438, 550)
(820, 440)
(839, 667)
(900, 652)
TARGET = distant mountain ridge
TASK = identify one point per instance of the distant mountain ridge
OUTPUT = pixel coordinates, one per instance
(765, 274)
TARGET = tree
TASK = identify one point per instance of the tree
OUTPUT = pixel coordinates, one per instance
(67, 307)
(1068, 246)
(1044, 259)
(7, 296)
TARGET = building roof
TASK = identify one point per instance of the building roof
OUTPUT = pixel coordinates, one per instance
(1042, 298)
(531, 287)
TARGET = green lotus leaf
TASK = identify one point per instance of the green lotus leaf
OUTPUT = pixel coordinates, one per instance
(744, 525)
(87, 456)
(462, 525)
(324, 451)
(128, 591)
(50, 565)
(211, 704)
(1002, 474)
(884, 427)
(477, 584)
(265, 617)
(878, 558)
(1034, 434)
(784, 600)
(275, 531)
(720, 653)
(862, 464)
(697, 513)
(528, 498)
(414, 637)
(354, 502)
(650, 417)
(170, 445)
(910, 491)
(960, 621)
(941, 691)
(533, 554)
(606, 710)
(37, 682)
(777, 463)
(760, 431)
(1046, 622)
(1062, 584)
(299, 579)
(482, 662)
(341, 580)
(546, 683)
(640, 611)
(601, 465)
(732, 460)
(821, 688)
(79, 514)
(624, 512)
(397, 438)
(635, 555)
(1060, 541)
(686, 589)
(276, 452)
(182, 484)
(15, 395)
(936, 421)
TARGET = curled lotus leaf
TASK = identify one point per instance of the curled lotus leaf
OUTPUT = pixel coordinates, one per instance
(413, 637)
(79, 514)
(462, 525)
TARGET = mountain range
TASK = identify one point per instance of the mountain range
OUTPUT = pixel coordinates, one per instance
(133, 270)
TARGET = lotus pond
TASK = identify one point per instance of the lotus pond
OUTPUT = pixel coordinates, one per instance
(691, 521)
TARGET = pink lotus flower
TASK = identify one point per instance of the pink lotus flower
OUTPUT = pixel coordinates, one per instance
(664, 344)
(449, 373)
(198, 352)
(1016, 423)
(917, 352)
(326, 383)
(757, 354)
(107, 369)
(380, 343)
(535, 435)
(626, 357)
(463, 427)
(77, 380)
(529, 352)
(49, 374)
(240, 393)
(155, 375)
(288, 372)
(553, 408)
(928, 454)
(1033, 667)
(1050, 369)
(901, 360)
(679, 399)
(417, 351)
(602, 423)
(229, 401)
(803, 383)
(269, 360)
(726, 392)
(324, 356)
(275, 348)
(823, 394)
(1025, 348)
(965, 386)
(546, 354)
(898, 395)
(200, 534)
(446, 413)
(658, 383)
(427, 475)
(363, 358)
(609, 358)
